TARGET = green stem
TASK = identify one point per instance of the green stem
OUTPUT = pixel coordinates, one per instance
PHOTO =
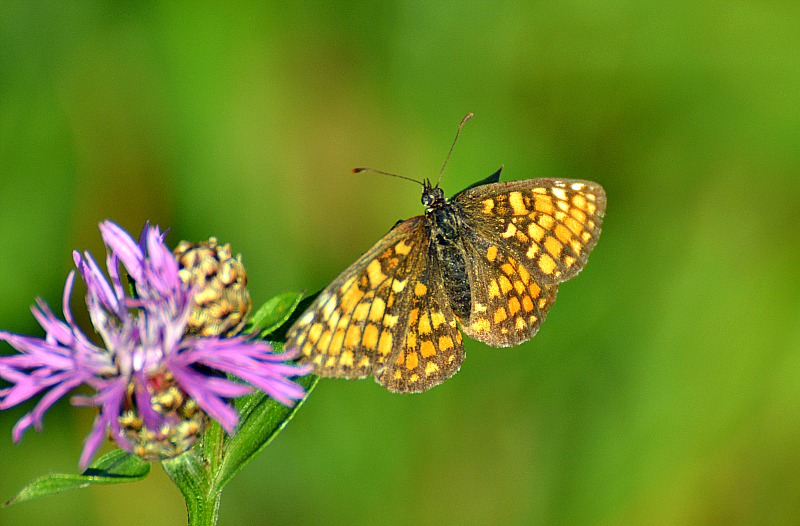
(204, 512)
(190, 473)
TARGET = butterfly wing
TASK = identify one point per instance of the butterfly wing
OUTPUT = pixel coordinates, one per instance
(521, 239)
(548, 226)
(508, 304)
(385, 315)
(432, 349)
(355, 322)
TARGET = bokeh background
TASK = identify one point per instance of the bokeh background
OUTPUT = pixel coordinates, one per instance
(664, 387)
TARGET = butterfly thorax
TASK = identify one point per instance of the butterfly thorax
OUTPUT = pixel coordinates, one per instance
(446, 248)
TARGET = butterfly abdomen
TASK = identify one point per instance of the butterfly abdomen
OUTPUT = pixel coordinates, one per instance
(447, 249)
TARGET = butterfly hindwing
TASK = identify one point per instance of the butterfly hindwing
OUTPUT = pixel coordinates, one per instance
(431, 349)
(508, 305)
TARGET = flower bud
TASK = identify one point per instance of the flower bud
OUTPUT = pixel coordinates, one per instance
(222, 301)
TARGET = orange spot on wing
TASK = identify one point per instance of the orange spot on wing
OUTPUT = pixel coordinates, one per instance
(547, 264)
(370, 338)
(445, 343)
(427, 349)
(385, 343)
(412, 361)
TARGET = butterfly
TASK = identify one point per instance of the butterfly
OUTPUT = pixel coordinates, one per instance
(486, 262)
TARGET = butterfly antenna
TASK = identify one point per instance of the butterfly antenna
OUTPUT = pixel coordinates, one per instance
(467, 117)
(359, 170)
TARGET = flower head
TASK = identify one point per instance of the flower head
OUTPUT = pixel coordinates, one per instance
(155, 382)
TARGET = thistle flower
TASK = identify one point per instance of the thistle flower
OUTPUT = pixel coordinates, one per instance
(155, 382)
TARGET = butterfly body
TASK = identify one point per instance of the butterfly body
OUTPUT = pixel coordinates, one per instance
(486, 262)
(444, 230)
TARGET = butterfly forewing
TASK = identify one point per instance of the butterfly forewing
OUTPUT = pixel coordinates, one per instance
(548, 226)
(355, 323)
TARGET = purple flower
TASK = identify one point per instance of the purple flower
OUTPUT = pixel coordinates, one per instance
(150, 377)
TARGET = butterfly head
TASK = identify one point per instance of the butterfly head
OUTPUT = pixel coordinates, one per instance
(432, 196)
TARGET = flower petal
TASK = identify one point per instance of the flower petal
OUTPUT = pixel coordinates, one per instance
(124, 247)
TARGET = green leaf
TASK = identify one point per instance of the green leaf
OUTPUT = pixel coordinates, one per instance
(262, 418)
(115, 467)
(274, 313)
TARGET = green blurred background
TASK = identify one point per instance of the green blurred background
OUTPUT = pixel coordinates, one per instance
(663, 389)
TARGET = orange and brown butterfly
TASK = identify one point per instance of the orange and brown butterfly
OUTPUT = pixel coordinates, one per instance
(486, 262)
